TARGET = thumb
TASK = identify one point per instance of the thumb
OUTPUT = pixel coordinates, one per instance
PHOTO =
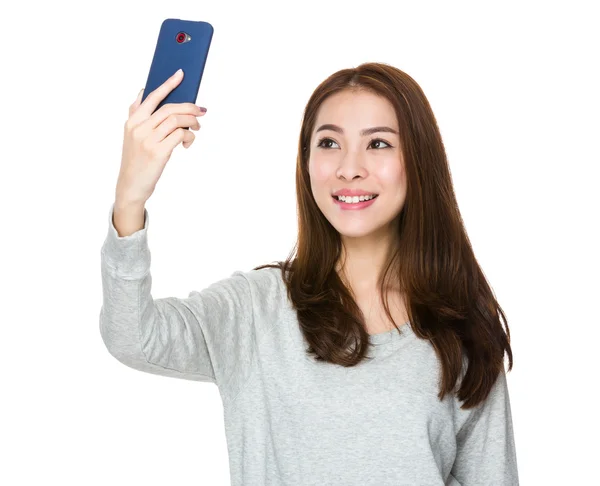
(137, 102)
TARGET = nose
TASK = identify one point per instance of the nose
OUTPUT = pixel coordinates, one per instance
(351, 166)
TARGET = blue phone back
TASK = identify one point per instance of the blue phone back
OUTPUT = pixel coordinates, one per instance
(170, 55)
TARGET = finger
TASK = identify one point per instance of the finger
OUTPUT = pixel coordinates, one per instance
(175, 138)
(188, 139)
(160, 115)
(171, 124)
(136, 104)
(153, 99)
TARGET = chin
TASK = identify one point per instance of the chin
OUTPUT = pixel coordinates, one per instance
(355, 232)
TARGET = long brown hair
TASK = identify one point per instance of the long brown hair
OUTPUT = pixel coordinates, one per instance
(448, 299)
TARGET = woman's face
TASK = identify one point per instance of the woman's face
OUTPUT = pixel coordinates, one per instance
(346, 159)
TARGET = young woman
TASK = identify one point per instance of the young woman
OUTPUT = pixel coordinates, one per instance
(375, 353)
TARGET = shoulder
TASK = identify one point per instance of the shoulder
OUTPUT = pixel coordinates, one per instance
(268, 278)
(267, 288)
(264, 280)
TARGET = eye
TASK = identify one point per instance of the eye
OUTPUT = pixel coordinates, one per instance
(320, 144)
(378, 140)
(374, 141)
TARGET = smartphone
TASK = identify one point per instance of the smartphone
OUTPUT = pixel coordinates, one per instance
(181, 44)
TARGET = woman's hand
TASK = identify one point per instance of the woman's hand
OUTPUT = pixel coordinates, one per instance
(149, 139)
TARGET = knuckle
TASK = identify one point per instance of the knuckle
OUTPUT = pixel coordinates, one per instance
(172, 121)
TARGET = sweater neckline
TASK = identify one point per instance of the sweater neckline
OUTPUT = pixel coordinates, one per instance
(392, 336)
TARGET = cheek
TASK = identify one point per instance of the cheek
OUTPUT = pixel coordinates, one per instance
(319, 172)
(392, 174)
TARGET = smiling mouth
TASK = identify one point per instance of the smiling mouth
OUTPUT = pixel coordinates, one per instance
(354, 199)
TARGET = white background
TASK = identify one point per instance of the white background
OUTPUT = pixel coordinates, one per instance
(514, 88)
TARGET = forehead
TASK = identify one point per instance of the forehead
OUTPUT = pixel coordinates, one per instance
(355, 110)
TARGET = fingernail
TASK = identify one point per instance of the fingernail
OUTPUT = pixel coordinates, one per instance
(178, 72)
(202, 109)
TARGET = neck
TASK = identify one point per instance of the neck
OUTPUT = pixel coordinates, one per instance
(363, 259)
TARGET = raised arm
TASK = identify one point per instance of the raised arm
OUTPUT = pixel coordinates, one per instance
(204, 337)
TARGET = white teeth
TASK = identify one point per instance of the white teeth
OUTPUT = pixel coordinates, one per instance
(354, 199)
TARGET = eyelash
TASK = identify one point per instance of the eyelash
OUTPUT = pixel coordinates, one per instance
(374, 140)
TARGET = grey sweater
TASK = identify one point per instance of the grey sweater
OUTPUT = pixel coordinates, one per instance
(290, 420)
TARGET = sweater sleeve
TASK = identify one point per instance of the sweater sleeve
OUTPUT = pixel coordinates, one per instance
(203, 337)
(485, 442)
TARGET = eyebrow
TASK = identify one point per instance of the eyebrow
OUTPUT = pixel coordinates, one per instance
(366, 131)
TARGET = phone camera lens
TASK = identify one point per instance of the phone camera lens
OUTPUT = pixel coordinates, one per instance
(181, 37)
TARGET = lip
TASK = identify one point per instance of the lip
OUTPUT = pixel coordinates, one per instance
(353, 206)
(353, 192)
